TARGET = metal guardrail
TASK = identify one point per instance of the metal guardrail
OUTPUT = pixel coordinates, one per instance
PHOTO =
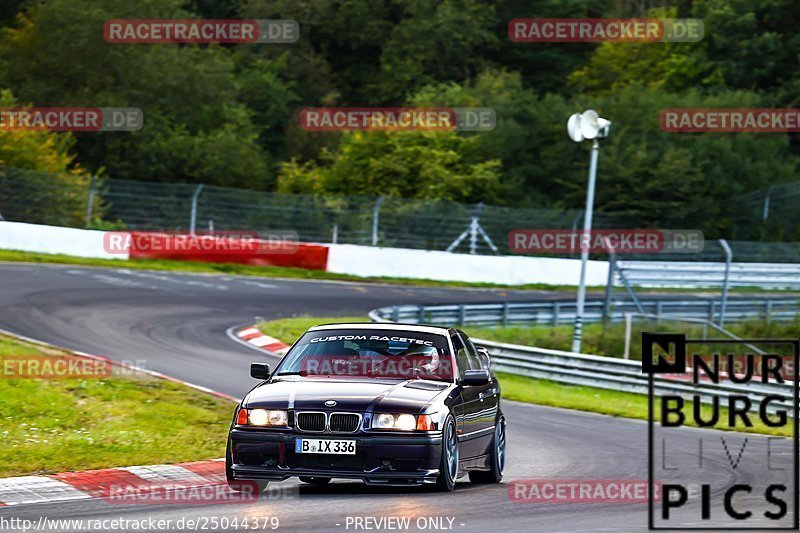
(686, 274)
(563, 312)
(618, 374)
(583, 369)
(612, 373)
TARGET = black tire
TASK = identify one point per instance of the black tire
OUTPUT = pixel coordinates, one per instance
(315, 480)
(497, 458)
(238, 485)
(448, 464)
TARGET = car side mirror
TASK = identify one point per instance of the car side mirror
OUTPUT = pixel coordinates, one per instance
(484, 352)
(259, 370)
(476, 377)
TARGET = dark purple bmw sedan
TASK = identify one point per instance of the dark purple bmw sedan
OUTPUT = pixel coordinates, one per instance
(389, 404)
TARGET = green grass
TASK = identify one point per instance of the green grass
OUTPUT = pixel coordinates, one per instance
(609, 340)
(250, 270)
(606, 402)
(289, 330)
(58, 425)
(537, 391)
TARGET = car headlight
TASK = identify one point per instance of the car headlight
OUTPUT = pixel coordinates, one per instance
(383, 421)
(277, 418)
(262, 417)
(403, 422)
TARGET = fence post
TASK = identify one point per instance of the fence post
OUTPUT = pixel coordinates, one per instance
(375, 214)
(609, 285)
(90, 202)
(505, 313)
(462, 315)
(556, 309)
(726, 281)
(395, 314)
(421, 314)
(765, 211)
(628, 319)
(193, 216)
(335, 236)
(769, 311)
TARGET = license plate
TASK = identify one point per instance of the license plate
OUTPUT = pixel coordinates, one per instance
(326, 446)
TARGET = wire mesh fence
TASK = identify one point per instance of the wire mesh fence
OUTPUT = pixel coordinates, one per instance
(80, 201)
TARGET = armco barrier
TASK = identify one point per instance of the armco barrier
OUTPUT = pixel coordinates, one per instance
(617, 374)
(229, 250)
(612, 373)
(557, 312)
(694, 275)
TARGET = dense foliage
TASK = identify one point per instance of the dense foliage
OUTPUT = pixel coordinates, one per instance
(228, 114)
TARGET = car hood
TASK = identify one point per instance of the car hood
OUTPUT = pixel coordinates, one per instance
(350, 395)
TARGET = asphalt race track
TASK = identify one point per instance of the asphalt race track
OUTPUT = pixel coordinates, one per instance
(177, 324)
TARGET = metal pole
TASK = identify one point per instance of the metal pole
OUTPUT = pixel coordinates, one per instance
(335, 237)
(726, 281)
(587, 228)
(628, 319)
(193, 218)
(90, 202)
(375, 214)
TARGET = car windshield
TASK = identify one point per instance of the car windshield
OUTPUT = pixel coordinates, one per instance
(370, 353)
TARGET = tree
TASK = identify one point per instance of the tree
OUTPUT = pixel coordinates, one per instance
(426, 165)
(40, 180)
(196, 129)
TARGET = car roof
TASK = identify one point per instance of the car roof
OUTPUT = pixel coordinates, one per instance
(394, 326)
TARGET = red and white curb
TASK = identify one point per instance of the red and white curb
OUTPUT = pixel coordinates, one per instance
(253, 336)
(98, 483)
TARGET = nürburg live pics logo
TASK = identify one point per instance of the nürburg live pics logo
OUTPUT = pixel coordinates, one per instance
(722, 433)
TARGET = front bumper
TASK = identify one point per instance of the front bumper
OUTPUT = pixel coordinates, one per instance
(380, 459)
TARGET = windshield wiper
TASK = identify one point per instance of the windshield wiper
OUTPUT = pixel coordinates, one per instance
(297, 373)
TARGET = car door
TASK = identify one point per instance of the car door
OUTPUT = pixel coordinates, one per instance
(491, 398)
(473, 424)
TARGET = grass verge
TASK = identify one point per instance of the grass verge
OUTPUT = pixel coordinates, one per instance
(289, 330)
(78, 423)
(537, 391)
(613, 403)
(609, 340)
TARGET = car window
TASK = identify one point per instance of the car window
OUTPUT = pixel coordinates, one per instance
(480, 360)
(369, 353)
(462, 357)
(472, 353)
